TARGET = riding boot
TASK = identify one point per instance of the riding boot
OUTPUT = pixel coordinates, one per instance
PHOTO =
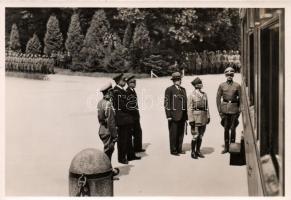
(193, 145)
(226, 147)
(198, 153)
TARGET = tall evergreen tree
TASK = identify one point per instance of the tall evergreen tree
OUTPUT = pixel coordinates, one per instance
(53, 39)
(75, 37)
(96, 43)
(14, 42)
(33, 45)
(140, 45)
(141, 38)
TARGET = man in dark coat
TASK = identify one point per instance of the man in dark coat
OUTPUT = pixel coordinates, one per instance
(228, 100)
(176, 111)
(134, 111)
(124, 121)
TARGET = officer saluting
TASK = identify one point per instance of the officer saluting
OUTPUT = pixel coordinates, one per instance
(106, 118)
(228, 102)
(134, 111)
(198, 116)
(124, 122)
(176, 111)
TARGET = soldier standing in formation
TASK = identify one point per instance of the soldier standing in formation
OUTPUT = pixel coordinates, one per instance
(228, 100)
(224, 60)
(124, 122)
(106, 118)
(134, 111)
(198, 116)
(175, 104)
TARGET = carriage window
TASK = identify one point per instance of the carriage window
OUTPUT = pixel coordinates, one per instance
(269, 91)
(251, 68)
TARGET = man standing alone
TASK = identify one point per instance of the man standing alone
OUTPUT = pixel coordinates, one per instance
(175, 104)
(228, 100)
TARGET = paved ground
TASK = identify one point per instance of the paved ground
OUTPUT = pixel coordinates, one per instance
(48, 122)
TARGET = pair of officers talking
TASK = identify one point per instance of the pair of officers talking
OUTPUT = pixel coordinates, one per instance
(119, 118)
(195, 109)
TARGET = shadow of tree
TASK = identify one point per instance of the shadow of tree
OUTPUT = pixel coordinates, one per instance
(207, 150)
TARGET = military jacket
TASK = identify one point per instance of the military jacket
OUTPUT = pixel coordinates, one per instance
(197, 108)
(228, 98)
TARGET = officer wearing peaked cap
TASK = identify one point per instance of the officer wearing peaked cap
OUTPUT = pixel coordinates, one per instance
(198, 116)
(134, 111)
(124, 121)
(228, 100)
(175, 104)
(106, 118)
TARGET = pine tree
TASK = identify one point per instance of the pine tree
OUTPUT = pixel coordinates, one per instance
(33, 45)
(14, 42)
(128, 35)
(118, 60)
(141, 38)
(140, 46)
(97, 42)
(75, 38)
(53, 39)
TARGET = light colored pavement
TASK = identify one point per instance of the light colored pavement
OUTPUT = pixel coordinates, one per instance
(48, 122)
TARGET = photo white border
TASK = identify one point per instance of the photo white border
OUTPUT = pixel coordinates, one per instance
(149, 4)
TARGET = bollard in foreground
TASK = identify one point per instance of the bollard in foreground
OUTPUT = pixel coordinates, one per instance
(90, 174)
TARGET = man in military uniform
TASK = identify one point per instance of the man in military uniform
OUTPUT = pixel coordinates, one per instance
(224, 60)
(175, 104)
(106, 118)
(198, 116)
(228, 100)
(124, 122)
(218, 61)
(134, 111)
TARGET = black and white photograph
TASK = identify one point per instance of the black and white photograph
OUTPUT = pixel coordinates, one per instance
(150, 101)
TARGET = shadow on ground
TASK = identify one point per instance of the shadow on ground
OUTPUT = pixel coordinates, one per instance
(207, 150)
(124, 170)
(186, 147)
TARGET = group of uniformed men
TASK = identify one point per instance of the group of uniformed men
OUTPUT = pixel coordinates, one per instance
(119, 118)
(32, 63)
(210, 62)
(195, 109)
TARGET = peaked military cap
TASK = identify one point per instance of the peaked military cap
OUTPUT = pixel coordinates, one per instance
(176, 75)
(106, 87)
(130, 79)
(229, 71)
(118, 77)
(196, 81)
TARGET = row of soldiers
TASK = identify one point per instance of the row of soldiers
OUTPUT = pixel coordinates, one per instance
(210, 62)
(32, 63)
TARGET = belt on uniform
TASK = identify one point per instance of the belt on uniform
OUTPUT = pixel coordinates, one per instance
(198, 109)
(230, 101)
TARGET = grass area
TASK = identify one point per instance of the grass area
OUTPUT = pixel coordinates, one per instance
(36, 76)
(97, 74)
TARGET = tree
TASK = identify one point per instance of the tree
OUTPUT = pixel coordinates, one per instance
(97, 42)
(140, 45)
(33, 45)
(14, 42)
(75, 38)
(53, 39)
(118, 60)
